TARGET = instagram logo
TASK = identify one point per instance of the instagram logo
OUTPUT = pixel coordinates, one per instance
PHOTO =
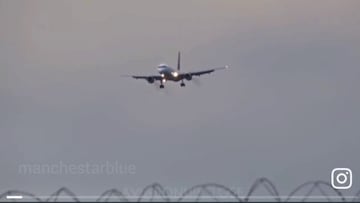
(341, 178)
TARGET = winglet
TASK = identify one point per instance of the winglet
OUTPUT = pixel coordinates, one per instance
(221, 68)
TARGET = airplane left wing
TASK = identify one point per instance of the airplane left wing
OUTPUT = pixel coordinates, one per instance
(198, 73)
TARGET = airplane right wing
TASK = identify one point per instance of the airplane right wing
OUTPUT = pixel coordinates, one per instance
(155, 77)
(149, 78)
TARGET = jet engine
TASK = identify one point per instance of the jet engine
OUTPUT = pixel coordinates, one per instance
(150, 80)
(188, 77)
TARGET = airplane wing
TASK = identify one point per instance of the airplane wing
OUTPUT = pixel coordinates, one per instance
(198, 73)
(149, 78)
(155, 77)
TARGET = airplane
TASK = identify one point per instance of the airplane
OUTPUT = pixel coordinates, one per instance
(166, 73)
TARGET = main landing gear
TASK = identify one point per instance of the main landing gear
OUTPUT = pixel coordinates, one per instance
(161, 84)
(182, 84)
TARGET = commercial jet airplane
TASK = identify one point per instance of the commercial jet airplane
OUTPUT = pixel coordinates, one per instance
(166, 73)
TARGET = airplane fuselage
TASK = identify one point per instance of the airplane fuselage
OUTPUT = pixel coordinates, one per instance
(168, 73)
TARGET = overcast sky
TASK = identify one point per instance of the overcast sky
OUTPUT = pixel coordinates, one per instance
(287, 109)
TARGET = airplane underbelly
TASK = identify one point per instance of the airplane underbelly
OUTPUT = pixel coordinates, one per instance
(170, 77)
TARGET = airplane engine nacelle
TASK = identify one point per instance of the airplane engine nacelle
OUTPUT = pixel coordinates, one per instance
(150, 80)
(188, 77)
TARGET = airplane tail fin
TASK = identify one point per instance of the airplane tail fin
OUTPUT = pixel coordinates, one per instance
(178, 62)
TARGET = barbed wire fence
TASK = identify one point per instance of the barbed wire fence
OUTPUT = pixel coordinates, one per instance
(159, 193)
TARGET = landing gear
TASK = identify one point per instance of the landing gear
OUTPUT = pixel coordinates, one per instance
(182, 84)
(161, 84)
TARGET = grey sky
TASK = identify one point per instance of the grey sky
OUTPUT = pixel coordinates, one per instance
(287, 109)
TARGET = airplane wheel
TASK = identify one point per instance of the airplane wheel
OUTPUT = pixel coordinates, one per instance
(161, 86)
(182, 84)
